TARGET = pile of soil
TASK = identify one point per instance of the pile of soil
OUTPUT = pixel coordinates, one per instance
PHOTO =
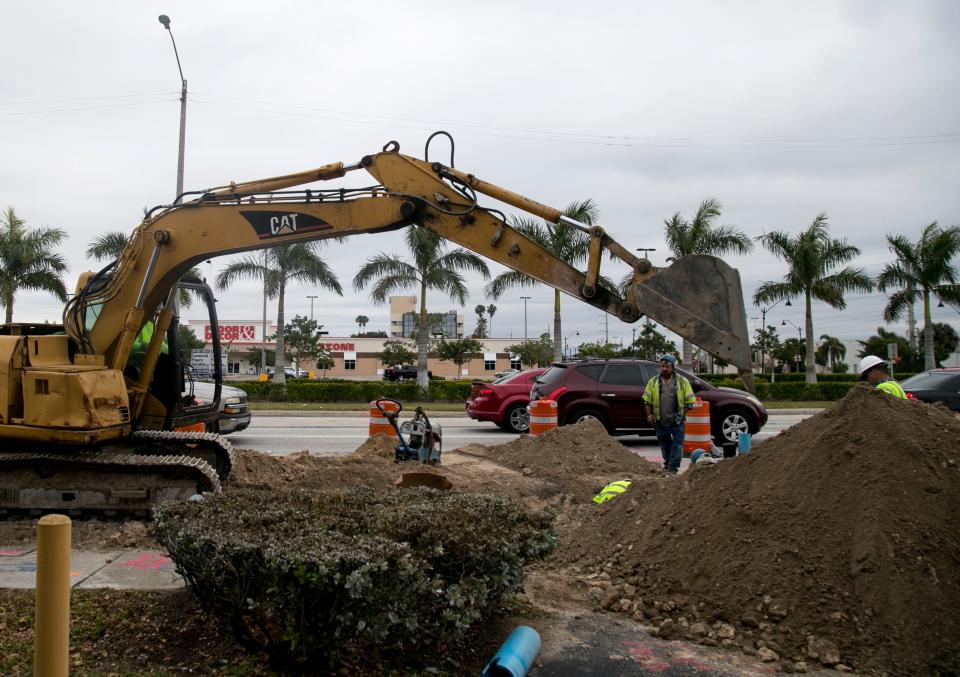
(575, 459)
(254, 469)
(834, 543)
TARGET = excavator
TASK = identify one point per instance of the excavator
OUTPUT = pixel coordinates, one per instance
(89, 409)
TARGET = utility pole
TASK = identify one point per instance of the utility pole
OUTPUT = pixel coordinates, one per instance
(311, 306)
(525, 299)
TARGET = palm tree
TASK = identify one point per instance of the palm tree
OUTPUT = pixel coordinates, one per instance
(922, 269)
(361, 321)
(109, 246)
(813, 258)
(29, 260)
(491, 311)
(830, 351)
(429, 266)
(700, 236)
(481, 330)
(277, 267)
(565, 242)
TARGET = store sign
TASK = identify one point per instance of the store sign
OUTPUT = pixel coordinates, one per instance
(233, 332)
(339, 346)
(201, 360)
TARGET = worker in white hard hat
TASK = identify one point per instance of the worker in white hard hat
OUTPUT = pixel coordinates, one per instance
(873, 370)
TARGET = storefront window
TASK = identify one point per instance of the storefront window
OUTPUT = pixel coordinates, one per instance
(350, 365)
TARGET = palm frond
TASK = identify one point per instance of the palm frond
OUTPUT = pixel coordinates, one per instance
(107, 246)
(506, 281)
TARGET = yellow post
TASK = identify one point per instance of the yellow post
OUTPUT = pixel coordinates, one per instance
(51, 646)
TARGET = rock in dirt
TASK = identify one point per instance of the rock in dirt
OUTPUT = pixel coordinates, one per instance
(846, 524)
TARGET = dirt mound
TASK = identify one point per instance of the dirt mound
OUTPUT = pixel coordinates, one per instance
(834, 542)
(577, 459)
(253, 469)
(378, 446)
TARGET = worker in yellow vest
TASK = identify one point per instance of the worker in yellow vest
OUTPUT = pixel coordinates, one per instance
(873, 370)
(666, 399)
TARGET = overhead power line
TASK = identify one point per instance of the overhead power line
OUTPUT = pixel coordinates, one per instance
(82, 108)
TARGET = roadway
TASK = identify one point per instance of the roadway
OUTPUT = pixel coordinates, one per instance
(336, 435)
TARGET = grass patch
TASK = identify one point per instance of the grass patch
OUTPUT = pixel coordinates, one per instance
(349, 406)
(789, 404)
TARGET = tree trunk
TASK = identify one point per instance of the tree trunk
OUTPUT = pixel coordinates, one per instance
(423, 341)
(557, 329)
(688, 355)
(929, 358)
(279, 363)
(808, 325)
(8, 302)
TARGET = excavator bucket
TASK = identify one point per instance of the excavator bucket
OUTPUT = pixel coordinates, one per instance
(700, 296)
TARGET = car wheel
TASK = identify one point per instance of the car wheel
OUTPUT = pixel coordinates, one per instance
(586, 415)
(732, 422)
(517, 419)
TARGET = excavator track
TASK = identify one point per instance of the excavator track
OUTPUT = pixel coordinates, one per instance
(120, 478)
(213, 448)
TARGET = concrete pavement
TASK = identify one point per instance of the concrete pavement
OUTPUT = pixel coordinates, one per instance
(128, 569)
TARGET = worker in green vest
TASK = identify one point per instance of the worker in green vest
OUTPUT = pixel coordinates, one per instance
(873, 370)
(667, 398)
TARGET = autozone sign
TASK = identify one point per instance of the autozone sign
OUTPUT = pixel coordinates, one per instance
(339, 346)
(233, 332)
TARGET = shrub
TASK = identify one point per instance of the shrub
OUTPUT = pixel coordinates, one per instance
(313, 578)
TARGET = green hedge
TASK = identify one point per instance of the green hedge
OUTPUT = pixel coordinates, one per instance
(316, 579)
(717, 379)
(796, 390)
(353, 391)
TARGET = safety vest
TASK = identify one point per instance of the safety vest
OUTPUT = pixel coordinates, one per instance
(612, 490)
(893, 388)
(685, 396)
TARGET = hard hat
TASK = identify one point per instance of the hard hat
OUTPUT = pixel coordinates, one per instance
(868, 363)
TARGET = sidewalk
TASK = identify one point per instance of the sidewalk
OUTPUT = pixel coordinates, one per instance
(121, 569)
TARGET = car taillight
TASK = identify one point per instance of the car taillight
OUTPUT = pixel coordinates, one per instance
(485, 391)
(557, 393)
(911, 396)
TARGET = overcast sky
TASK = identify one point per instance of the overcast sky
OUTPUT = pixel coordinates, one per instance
(781, 110)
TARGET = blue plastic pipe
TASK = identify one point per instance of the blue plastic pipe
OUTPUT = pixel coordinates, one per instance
(744, 441)
(516, 654)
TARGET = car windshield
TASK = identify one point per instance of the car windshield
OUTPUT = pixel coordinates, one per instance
(932, 380)
(506, 378)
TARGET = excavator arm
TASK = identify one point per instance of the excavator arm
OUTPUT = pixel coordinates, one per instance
(698, 297)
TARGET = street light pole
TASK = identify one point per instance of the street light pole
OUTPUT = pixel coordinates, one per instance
(525, 299)
(799, 339)
(165, 20)
(566, 350)
(763, 327)
(311, 305)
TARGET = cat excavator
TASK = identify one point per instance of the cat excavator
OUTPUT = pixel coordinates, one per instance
(89, 409)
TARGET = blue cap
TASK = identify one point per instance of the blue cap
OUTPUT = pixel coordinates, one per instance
(669, 358)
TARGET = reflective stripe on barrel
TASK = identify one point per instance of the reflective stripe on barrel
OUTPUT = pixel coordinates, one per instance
(378, 422)
(543, 416)
(696, 430)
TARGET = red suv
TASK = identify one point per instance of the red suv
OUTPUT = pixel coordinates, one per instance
(611, 391)
(504, 401)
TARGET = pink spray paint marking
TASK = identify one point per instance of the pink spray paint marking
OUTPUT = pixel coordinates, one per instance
(646, 657)
(11, 553)
(147, 560)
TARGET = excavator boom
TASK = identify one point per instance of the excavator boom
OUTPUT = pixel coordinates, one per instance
(76, 405)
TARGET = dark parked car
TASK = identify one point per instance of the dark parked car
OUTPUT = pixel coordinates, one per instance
(936, 385)
(504, 401)
(611, 391)
(403, 373)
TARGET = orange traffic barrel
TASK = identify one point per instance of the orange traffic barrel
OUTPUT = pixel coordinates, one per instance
(696, 431)
(543, 416)
(378, 422)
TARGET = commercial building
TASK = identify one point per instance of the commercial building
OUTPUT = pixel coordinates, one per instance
(405, 320)
(356, 358)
